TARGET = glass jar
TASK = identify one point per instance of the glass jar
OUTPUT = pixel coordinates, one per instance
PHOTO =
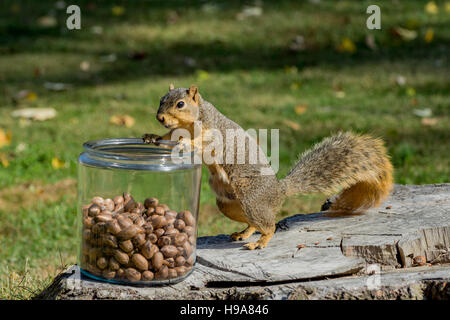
(138, 208)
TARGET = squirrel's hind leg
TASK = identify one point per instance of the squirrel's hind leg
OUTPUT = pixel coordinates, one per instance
(262, 242)
(243, 234)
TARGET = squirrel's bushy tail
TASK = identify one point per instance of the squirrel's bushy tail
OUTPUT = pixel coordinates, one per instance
(356, 165)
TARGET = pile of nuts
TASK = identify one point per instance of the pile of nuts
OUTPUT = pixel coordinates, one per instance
(130, 241)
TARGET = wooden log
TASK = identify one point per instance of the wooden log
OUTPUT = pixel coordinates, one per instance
(368, 256)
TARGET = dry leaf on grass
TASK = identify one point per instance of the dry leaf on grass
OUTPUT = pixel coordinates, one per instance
(291, 124)
(202, 75)
(404, 34)
(423, 113)
(117, 11)
(431, 8)
(57, 163)
(85, 66)
(429, 35)
(122, 120)
(347, 45)
(429, 121)
(4, 160)
(39, 114)
(300, 109)
(57, 86)
(5, 138)
(47, 21)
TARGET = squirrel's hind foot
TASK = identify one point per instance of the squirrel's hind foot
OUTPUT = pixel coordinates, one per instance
(261, 243)
(243, 234)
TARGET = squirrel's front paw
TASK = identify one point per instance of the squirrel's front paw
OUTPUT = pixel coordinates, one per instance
(150, 138)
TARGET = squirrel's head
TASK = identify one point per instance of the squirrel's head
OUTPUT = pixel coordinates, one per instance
(179, 108)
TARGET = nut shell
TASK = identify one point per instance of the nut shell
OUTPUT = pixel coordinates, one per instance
(140, 262)
(132, 274)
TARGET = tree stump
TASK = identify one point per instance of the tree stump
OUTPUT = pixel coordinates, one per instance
(368, 256)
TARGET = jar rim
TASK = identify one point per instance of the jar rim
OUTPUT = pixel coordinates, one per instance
(134, 153)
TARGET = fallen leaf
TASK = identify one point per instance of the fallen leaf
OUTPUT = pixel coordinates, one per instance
(340, 94)
(401, 80)
(347, 45)
(85, 65)
(423, 113)
(97, 29)
(47, 21)
(202, 75)
(122, 120)
(291, 69)
(21, 147)
(57, 163)
(39, 114)
(117, 11)
(108, 58)
(249, 12)
(4, 160)
(5, 138)
(31, 96)
(404, 34)
(291, 124)
(330, 238)
(295, 85)
(429, 121)
(210, 7)
(370, 42)
(300, 246)
(298, 44)
(300, 109)
(429, 35)
(431, 8)
(410, 91)
(57, 86)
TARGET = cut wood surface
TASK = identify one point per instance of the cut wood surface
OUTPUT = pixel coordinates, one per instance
(369, 256)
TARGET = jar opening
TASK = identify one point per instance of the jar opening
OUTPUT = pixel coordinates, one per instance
(133, 153)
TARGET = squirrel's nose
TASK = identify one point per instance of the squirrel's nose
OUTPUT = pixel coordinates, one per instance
(160, 118)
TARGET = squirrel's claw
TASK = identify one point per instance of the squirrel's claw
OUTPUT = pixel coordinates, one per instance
(236, 236)
(255, 245)
(150, 138)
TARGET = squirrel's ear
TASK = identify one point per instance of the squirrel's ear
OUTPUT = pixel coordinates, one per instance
(193, 93)
(171, 87)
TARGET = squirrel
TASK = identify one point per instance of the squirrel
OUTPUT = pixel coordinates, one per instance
(356, 166)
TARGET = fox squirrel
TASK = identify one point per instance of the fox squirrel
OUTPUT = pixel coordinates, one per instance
(356, 164)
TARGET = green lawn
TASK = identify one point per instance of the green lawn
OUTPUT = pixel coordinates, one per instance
(243, 65)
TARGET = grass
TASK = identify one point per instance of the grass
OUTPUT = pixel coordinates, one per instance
(244, 67)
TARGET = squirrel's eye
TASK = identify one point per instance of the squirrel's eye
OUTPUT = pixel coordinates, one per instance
(180, 104)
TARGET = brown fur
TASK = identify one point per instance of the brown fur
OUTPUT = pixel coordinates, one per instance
(356, 164)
